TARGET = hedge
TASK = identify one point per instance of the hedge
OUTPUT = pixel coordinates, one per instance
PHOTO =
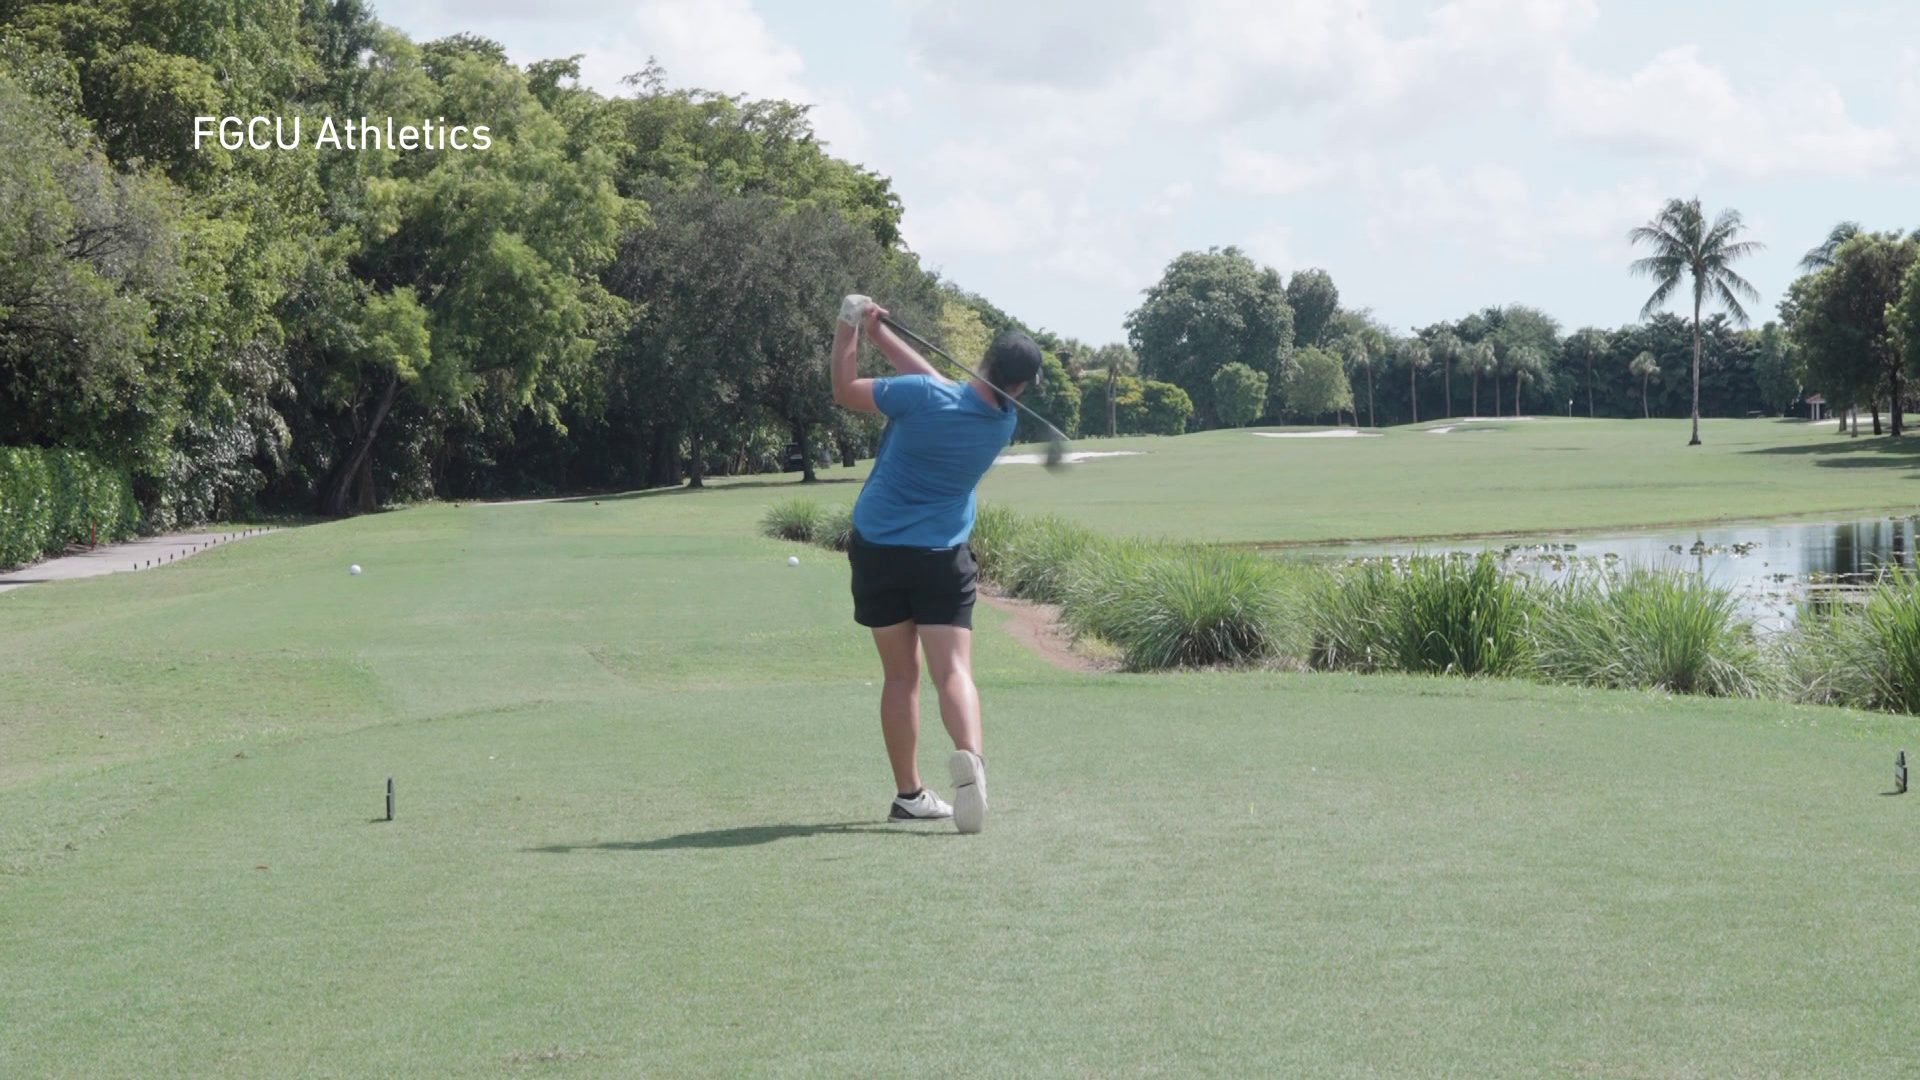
(50, 498)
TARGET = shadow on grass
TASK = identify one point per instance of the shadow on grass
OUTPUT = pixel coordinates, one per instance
(1845, 452)
(798, 487)
(746, 836)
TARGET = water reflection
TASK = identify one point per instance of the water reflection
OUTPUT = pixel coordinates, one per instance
(1770, 567)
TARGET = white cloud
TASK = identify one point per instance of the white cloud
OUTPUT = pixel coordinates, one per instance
(1256, 172)
(1491, 210)
(1679, 107)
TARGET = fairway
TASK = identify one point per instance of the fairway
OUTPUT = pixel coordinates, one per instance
(639, 830)
(1485, 477)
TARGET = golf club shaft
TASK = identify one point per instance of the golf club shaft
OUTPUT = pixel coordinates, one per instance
(920, 342)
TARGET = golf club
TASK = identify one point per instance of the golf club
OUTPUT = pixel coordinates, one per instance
(1056, 444)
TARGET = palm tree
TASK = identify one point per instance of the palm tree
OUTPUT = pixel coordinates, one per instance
(1819, 258)
(1589, 344)
(1527, 364)
(1685, 245)
(1414, 354)
(1360, 354)
(1479, 359)
(1447, 347)
(1646, 367)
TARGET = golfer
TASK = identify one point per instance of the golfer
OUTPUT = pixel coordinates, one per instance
(913, 574)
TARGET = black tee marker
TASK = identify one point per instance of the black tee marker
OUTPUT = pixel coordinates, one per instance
(389, 798)
(1900, 773)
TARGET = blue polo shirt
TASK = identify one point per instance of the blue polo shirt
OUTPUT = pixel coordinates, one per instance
(940, 439)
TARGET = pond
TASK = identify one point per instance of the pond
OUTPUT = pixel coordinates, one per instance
(1771, 567)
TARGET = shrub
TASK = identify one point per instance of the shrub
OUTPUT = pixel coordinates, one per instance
(1186, 606)
(835, 528)
(1439, 614)
(792, 519)
(1652, 629)
(1036, 558)
(51, 498)
(993, 530)
(1866, 655)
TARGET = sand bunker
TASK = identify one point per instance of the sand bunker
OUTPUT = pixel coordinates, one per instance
(1336, 433)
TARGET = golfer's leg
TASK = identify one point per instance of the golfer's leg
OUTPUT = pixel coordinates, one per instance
(950, 661)
(900, 701)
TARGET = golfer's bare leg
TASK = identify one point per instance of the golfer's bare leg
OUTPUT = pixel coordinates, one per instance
(900, 701)
(950, 662)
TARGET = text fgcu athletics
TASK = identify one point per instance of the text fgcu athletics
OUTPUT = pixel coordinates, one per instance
(284, 133)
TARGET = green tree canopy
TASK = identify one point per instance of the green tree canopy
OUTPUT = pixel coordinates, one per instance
(1208, 310)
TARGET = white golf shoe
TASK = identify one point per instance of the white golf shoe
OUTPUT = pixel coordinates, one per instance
(969, 790)
(925, 806)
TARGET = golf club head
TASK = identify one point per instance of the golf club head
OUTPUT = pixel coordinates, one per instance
(1056, 453)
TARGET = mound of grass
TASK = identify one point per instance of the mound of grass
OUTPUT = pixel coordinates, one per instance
(1863, 655)
(1649, 629)
(1177, 606)
(834, 530)
(792, 519)
(1429, 614)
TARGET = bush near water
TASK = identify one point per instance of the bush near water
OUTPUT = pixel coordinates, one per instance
(1165, 605)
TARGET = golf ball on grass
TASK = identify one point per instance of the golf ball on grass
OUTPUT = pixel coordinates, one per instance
(354, 569)
(793, 560)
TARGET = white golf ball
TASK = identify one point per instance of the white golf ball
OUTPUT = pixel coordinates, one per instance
(354, 569)
(793, 560)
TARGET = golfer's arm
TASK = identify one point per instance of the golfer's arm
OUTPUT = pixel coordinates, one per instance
(848, 388)
(900, 354)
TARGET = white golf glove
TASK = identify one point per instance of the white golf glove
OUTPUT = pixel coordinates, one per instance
(853, 309)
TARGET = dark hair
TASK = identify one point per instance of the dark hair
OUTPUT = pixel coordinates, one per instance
(1012, 359)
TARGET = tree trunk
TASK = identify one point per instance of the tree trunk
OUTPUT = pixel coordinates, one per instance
(1446, 383)
(1516, 394)
(1695, 441)
(1644, 415)
(1413, 391)
(1476, 393)
(806, 451)
(1371, 422)
(1589, 385)
(696, 463)
(1112, 414)
(1875, 406)
(1893, 405)
(1854, 412)
(1496, 393)
(337, 499)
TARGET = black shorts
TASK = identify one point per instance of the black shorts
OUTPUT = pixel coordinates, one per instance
(931, 586)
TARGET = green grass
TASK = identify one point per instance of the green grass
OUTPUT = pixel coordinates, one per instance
(1528, 476)
(639, 789)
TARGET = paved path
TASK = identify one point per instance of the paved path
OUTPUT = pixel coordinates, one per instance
(142, 554)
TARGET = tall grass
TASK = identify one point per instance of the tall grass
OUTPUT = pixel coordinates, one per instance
(1178, 606)
(1435, 614)
(791, 519)
(1032, 563)
(1866, 655)
(1650, 629)
(835, 528)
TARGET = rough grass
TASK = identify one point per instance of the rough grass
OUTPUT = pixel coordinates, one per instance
(1649, 629)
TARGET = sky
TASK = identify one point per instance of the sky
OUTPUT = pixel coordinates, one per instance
(1435, 158)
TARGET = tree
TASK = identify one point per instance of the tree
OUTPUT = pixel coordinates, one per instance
(1778, 369)
(1056, 398)
(1527, 364)
(1449, 349)
(1820, 257)
(1317, 385)
(1646, 367)
(1239, 394)
(1841, 320)
(1479, 359)
(1168, 408)
(1415, 357)
(1315, 301)
(1586, 346)
(1684, 245)
(1208, 310)
(1903, 319)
